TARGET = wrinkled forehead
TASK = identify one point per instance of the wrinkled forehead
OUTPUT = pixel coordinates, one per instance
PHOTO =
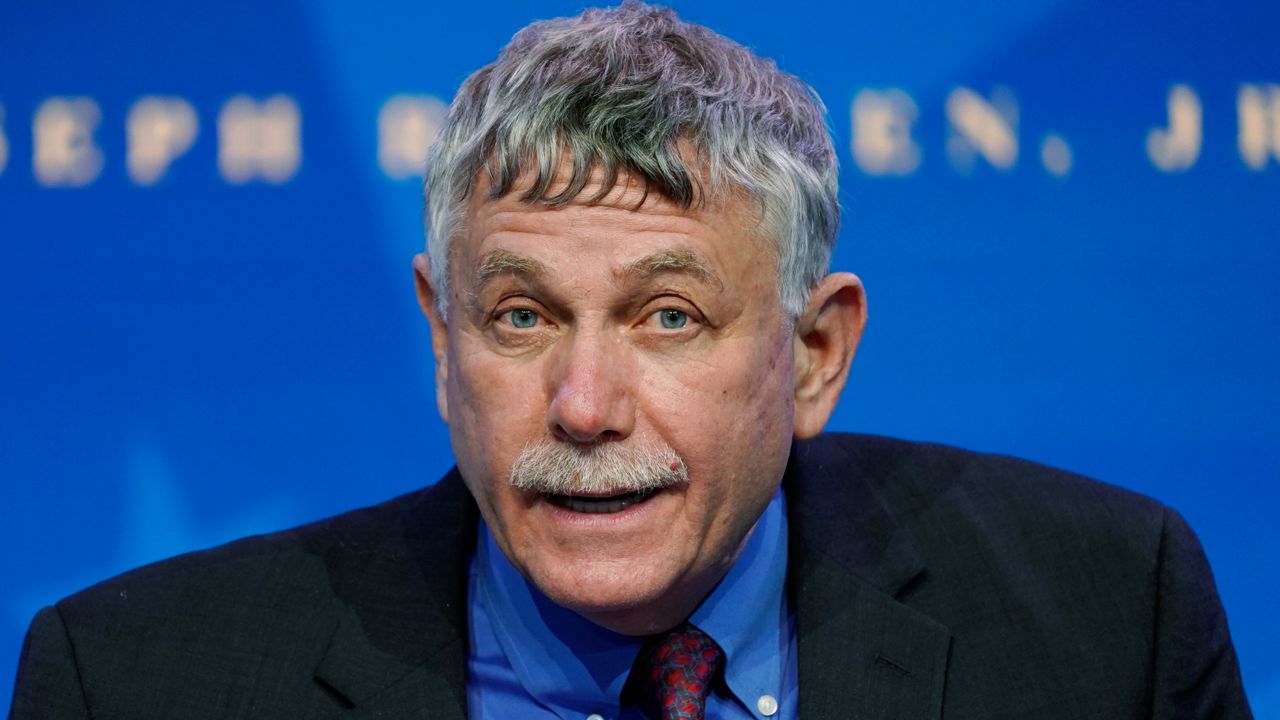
(633, 227)
(723, 204)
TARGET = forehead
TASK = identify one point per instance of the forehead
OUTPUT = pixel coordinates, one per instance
(627, 220)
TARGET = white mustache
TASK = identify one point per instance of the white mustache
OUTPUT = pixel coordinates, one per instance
(557, 468)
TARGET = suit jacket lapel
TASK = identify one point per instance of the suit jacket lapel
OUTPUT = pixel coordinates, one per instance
(863, 653)
(400, 647)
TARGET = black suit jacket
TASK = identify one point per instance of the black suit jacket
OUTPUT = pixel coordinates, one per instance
(928, 582)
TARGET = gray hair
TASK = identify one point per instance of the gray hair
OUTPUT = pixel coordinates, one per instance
(559, 468)
(632, 90)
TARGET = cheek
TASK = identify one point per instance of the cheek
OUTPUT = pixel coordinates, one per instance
(494, 413)
(764, 416)
(728, 412)
(492, 390)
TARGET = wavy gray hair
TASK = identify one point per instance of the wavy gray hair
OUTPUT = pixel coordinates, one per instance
(634, 90)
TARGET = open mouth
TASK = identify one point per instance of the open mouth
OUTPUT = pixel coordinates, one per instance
(599, 504)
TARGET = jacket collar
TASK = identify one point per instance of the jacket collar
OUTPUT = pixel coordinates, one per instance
(400, 572)
(863, 653)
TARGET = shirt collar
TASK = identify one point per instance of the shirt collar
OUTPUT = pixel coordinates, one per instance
(569, 664)
(746, 613)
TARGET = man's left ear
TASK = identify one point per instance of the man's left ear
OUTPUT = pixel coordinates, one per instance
(827, 335)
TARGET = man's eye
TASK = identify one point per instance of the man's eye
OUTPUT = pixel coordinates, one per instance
(523, 318)
(673, 319)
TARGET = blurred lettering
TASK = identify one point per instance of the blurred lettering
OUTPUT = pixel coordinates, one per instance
(65, 154)
(1258, 107)
(158, 130)
(407, 125)
(982, 127)
(882, 142)
(1176, 148)
(1056, 155)
(259, 140)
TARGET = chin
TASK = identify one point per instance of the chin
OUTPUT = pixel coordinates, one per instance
(614, 594)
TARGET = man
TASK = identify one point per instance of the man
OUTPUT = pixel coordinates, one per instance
(637, 345)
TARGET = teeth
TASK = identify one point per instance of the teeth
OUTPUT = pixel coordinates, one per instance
(612, 504)
(595, 506)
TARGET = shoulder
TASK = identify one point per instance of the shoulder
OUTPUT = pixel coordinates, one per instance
(1003, 543)
(1101, 593)
(250, 619)
(1001, 497)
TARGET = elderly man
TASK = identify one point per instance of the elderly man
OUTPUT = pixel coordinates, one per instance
(637, 345)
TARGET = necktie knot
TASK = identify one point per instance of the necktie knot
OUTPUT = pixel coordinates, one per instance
(674, 674)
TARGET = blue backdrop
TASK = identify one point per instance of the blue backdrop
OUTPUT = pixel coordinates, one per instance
(1065, 212)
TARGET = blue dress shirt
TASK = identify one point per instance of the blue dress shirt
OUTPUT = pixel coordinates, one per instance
(532, 659)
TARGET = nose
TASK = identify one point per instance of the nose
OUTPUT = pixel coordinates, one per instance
(591, 380)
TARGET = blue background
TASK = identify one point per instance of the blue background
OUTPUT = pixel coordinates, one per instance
(185, 363)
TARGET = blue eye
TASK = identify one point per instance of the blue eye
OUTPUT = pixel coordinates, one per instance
(673, 319)
(523, 318)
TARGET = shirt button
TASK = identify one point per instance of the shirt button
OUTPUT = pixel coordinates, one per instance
(767, 705)
(595, 716)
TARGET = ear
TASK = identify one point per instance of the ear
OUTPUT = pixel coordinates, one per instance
(827, 335)
(439, 330)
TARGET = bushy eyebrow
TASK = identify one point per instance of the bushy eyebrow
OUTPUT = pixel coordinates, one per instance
(505, 262)
(686, 262)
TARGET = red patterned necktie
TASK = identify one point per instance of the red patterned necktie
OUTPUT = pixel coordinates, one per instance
(674, 674)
